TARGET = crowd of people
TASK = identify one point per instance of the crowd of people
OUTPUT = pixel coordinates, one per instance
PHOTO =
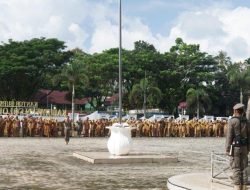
(13, 126)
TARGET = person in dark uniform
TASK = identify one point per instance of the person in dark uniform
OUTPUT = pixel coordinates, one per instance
(238, 146)
(79, 127)
(67, 128)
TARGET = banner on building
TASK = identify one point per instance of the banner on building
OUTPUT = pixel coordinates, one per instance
(26, 108)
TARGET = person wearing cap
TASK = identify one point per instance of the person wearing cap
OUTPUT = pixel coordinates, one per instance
(238, 146)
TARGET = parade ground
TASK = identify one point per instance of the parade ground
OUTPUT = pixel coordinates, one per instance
(47, 163)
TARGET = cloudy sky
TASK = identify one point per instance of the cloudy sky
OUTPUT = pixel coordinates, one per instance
(93, 24)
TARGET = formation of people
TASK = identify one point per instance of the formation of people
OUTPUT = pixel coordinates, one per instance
(13, 126)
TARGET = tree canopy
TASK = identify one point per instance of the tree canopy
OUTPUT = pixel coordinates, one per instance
(27, 66)
(181, 74)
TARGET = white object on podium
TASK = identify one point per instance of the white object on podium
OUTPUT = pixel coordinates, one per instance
(120, 141)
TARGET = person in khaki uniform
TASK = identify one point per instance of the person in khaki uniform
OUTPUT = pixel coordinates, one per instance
(16, 127)
(238, 146)
(2, 125)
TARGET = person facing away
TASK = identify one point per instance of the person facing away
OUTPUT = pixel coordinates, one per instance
(238, 146)
(67, 128)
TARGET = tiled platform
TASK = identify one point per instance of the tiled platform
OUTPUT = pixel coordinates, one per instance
(195, 181)
(106, 158)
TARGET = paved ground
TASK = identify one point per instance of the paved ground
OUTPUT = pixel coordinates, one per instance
(34, 163)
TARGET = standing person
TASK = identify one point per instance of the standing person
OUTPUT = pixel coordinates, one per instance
(16, 127)
(79, 127)
(8, 125)
(67, 128)
(86, 125)
(40, 127)
(238, 146)
(1, 126)
(24, 127)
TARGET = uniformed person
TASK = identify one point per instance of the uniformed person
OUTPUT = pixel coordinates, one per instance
(1, 126)
(24, 128)
(67, 128)
(79, 127)
(237, 146)
(16, 127)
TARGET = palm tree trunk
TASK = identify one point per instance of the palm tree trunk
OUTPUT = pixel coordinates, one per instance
(241, 96)
(73, 103)
(145, 97)
(198, 106)
(248, 107)
(144, 105)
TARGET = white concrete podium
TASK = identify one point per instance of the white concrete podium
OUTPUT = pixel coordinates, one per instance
(195, 181)
(119, 146)
(132, 158)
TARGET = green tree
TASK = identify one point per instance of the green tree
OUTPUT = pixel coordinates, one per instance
(143, 57)
(239, 77)
(223, 59)
(73, 74)
(25, 66)
(103, 77)
(185, 67)
(73, 77)
(153, 95)
(198, 99)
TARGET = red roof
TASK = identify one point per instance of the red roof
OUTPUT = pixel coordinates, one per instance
(112, 99)
(56, 97)
(182, 105)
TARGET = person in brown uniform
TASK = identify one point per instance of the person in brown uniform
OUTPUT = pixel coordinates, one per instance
(16, 127)
(47, 128)
(238, 146)
(8, 125)
(24, 128)
(40, 127)
(86, 126)
(1, 126)
(31, 126)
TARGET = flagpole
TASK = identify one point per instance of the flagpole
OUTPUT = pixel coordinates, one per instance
(120, 61)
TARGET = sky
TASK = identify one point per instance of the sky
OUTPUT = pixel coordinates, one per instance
(92, 25)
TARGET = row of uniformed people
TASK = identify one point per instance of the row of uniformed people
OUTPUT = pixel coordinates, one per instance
(12, 126)
(184, 128)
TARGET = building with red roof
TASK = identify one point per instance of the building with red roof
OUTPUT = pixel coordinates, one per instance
(61, 99)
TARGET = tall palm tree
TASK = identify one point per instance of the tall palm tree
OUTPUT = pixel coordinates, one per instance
(198, 99)
(145, 93)
(239, 76)
(73, 76)
(223, 59)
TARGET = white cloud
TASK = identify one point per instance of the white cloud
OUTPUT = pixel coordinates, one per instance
(79, 36)
(93, 25)
(217, 29)
(213, 28)
(106, 35)
(25, 19)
